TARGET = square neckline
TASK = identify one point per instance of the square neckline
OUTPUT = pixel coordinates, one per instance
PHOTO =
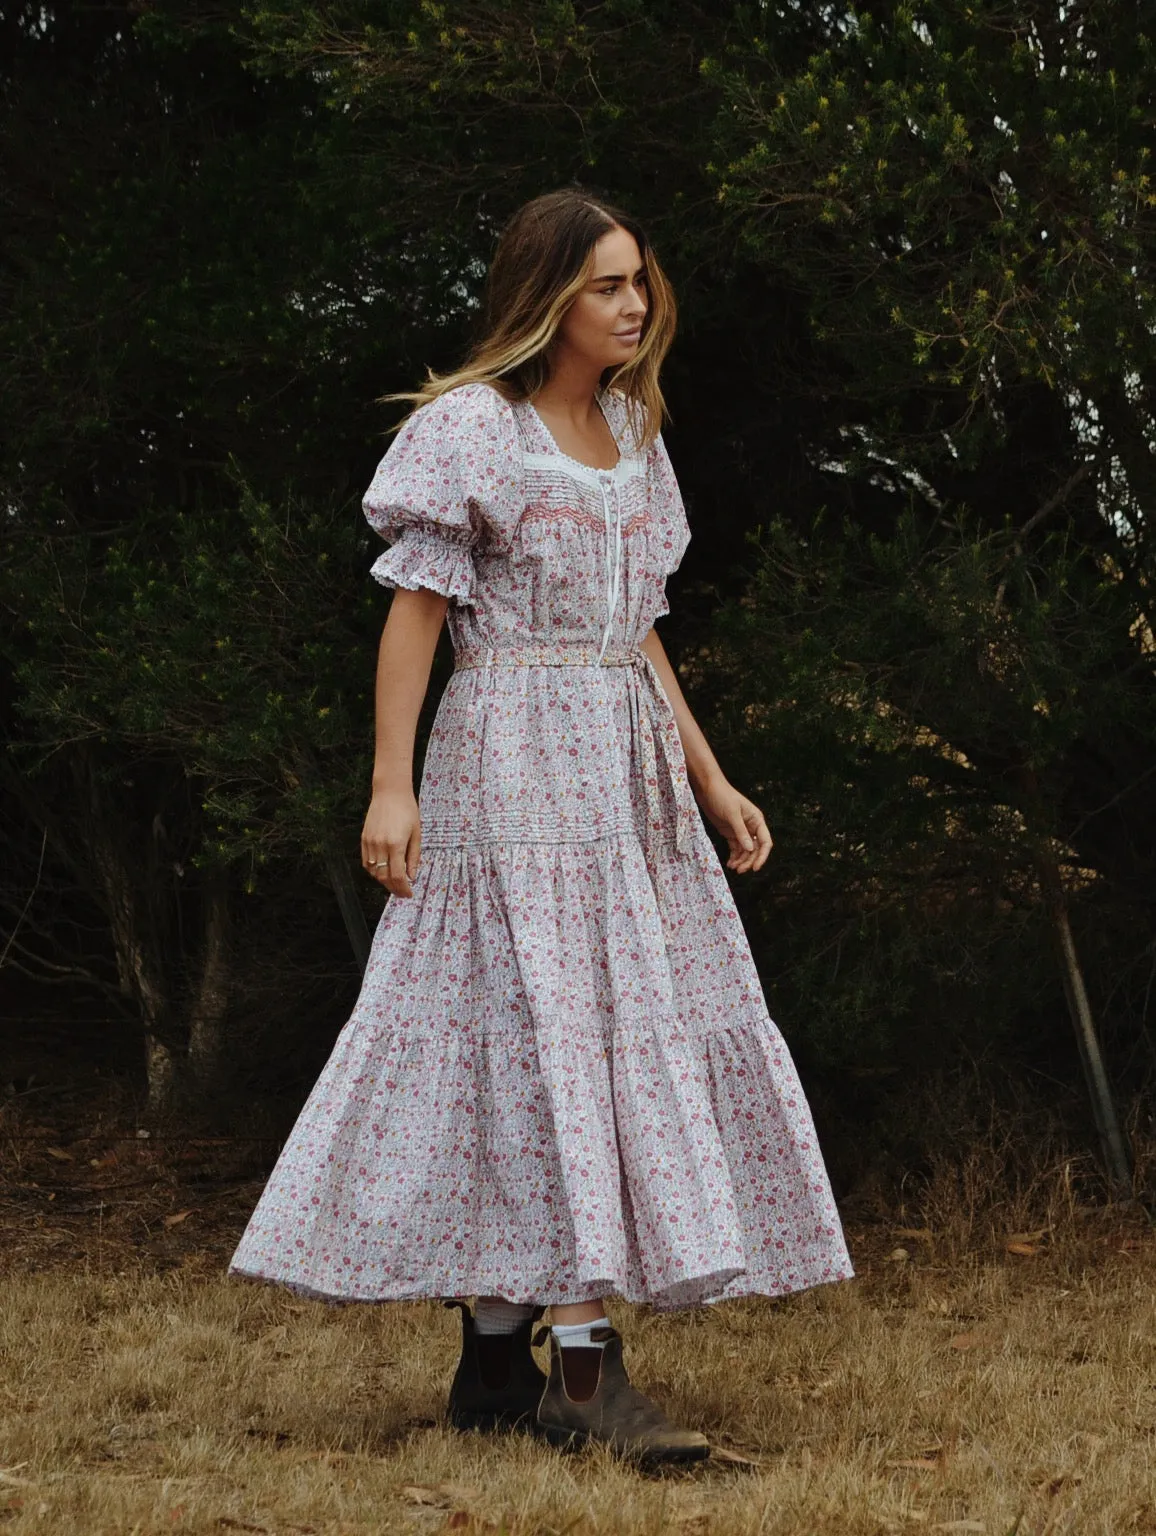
(593, 469)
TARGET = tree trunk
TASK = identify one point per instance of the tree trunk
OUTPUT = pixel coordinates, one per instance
(138, 962)
(1113, 1146)
(209, 1007)
(341, 879)
(340, 874)
(161, 1070)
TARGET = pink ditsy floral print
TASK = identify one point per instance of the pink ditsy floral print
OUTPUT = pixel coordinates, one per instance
(560, 1080)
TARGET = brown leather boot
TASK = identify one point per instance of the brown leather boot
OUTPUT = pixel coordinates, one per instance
(617, 1415)
(498, 1383)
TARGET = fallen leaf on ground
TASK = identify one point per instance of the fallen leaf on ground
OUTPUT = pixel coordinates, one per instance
(1025, 1250)
(924, 1234)
(176, 1219)
(897, 1255)
(1093, 1441)
(109, 1160)
(439, 1496)
(60, 1154)
(8, 1475)
(1029, 1237)
(969, 1340)
(732, 1458)
(1052, 1486)
(412, 1494)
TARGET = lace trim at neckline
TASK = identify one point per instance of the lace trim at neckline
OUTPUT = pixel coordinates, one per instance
(626, 468)
(629, 464)
(597, 469)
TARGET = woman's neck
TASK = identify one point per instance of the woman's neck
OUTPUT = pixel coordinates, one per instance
(572, 390)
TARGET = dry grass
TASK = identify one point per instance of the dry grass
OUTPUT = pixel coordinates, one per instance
(955, 1385)
(980, 1397)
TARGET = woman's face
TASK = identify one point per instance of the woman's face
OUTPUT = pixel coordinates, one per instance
(603, 326)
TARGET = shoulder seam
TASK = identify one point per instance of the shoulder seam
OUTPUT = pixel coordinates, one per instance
(480, 384)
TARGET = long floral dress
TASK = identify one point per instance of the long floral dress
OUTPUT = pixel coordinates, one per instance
(560, 1079)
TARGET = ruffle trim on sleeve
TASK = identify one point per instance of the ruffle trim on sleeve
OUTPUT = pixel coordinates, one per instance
(421, 559)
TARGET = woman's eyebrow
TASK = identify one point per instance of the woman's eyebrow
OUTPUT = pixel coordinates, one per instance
(617, 277)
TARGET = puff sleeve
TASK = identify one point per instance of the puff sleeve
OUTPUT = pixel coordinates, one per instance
(449, 485)
(669, 514)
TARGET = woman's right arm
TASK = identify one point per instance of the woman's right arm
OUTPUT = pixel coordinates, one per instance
(391, 837)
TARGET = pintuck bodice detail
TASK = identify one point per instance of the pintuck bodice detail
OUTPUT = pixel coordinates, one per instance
(557, 569)
(530, 545)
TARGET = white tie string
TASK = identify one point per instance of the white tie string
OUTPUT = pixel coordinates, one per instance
(613, 550)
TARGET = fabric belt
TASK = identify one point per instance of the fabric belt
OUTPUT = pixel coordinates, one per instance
(652, 718)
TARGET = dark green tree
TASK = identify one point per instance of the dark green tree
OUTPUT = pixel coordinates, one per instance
(914, 251)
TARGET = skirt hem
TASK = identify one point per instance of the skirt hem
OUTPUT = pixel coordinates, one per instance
(704, 1290)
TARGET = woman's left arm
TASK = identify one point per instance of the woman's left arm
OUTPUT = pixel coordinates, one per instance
(735, 817)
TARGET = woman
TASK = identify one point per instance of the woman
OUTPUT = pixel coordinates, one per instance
(560, 1080)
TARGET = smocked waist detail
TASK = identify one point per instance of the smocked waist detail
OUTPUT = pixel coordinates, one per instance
(547, 656)
(652, 719)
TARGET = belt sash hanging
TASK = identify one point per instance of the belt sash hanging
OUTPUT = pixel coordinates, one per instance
(652, 718)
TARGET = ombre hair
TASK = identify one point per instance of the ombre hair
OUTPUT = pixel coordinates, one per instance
(544, 259)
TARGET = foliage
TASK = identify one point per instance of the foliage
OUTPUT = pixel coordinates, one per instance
(915, 721)
(220, 640)
(965, 188)
(914, 250)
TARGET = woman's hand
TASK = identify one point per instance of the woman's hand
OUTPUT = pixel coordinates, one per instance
(391, 840)
(740, 822)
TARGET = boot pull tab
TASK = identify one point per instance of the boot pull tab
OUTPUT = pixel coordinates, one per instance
(540, 1337)
(602, 1335)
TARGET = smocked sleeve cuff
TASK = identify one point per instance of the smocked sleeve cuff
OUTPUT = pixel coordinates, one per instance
(423, 559)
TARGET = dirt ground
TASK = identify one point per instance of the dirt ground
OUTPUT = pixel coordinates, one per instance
(978, 1375)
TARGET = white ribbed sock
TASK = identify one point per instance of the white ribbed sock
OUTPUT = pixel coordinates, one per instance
(577, 1335)
(495, 1316)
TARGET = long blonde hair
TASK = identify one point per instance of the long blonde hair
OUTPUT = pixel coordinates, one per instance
(544, 259)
